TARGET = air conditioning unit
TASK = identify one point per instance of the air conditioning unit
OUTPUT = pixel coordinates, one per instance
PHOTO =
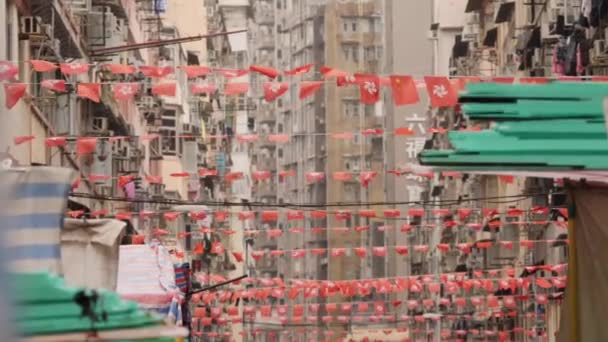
(212, 55)
(599, 46)
(187, 128)
(99, 125)
(31, 25)
(121, 148)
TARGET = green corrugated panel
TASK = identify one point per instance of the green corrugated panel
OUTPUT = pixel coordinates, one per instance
(556, 91)
(558, 126)
(46, 306)
(534, 109)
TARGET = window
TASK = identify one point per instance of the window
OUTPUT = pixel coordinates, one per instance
(280, 153)
(345, 25)
(354, 26)
(279, 53)
(351, 108)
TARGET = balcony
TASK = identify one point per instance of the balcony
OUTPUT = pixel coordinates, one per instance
(364, 38)
(67, 28)
(266, 164)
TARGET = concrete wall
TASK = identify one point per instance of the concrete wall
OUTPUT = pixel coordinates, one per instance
(190, 17)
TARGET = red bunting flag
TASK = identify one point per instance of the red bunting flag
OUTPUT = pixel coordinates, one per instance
(379, 308)
(156, 71)
(171, 216)
(300, 70)
(360, 251)
(401, 250)
(125, 91)
(238, 256)
(287, 173)
(180, 174)
(295, 215)
(164, 89)
(369, 86)
(124, 180)
(270, 216)
(273, 90)
(266, 71)
(54, 85)
(261, 175)
(193, 71)
(440, 91)
(328, 72)
(231, 73)
(313, 177)
(366, 177)
(22, 139)
(278, 138)
(8, 71)
(121, 69)
(43, 66)
(404, 90)
(236, 88)
(202, 88)
(318, 214)
(342, 176)
(13, 93)
(74, 68)
(55, 141)
(309, 88)
(403, 131)
(154, 179)
(379, 251)
(91, 91)
(86, 146)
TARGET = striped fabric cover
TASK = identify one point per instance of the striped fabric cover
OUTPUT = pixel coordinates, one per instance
(181, 276)
(33, 217)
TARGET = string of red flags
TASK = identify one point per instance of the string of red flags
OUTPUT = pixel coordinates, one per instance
(422, 333)
(442, 91)
(502, 275)
(341, 311)
(452, 217)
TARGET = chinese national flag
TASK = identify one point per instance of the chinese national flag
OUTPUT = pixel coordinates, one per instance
(74, 68)
(86, 146)
(266, 71)
(155, 71)
(43, 66)
(13, 93)
(273, 90)
(164, 89)
(236, 88)
(121, 69)
(309, 88)
(91, 91)
(125, 91)
(369, 86)
(193, 71)
(54, 85)
(404, 90)
(440, 91)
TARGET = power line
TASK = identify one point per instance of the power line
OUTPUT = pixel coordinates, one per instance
(288, 205)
